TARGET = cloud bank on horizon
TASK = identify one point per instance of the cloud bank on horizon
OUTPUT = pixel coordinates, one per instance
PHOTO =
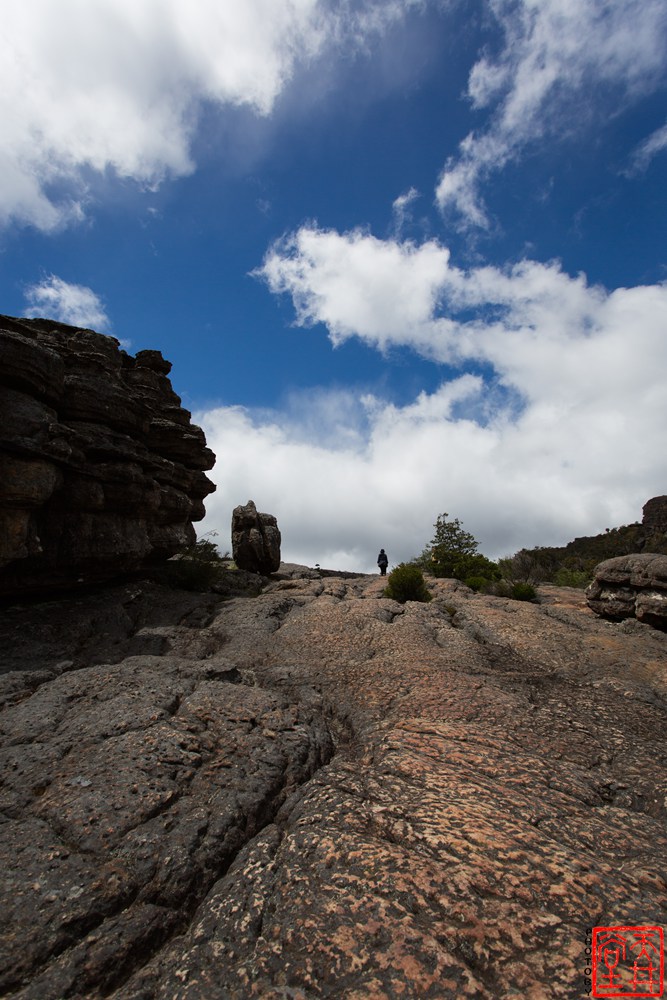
(548, 416)
(548, 437)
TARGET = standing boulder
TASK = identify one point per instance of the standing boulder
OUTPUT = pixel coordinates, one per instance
(633, 586)
(255, 540)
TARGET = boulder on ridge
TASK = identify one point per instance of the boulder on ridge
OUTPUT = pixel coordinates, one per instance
(633, 586)
(255, 540)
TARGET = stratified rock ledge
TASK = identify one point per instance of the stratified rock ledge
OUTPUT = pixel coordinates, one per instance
(101, 469)
(633, 586)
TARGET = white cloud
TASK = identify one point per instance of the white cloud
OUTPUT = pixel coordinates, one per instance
(74, 304)
(654, 144)
(358, 285)
(117, 84)
(582, 451)
(556, 56)
(401, 209)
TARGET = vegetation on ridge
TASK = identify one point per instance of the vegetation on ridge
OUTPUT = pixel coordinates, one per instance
(453, 552)
(406, 583)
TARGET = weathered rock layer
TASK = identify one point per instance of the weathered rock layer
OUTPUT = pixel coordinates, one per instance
(632, 586)
(255, 540)
(318, 792)
(101, 469)
(654, 514)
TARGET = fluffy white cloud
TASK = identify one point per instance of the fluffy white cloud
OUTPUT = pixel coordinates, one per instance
(556, 56)
(117, 84)
(565, 439)
(67, 303)
(531, 321)
(358, 285)
(559, 471)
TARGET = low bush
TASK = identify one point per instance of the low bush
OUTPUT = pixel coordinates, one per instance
(523, 592)
(514, 591)
(477, 583)
(572, 578)
(198, 567)
(406, 583)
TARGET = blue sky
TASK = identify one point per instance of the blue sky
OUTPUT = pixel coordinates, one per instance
(406, 257)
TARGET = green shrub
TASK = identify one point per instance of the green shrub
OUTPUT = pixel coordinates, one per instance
(406, 583)
(476, 583)
(527, 566)
(514, 591)
(198, 567)
(523, 592)
(572, 578)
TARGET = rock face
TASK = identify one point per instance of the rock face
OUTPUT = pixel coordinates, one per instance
(101, 469)
(632, 586)
(318, 792)
(655, 514)
(255, 540)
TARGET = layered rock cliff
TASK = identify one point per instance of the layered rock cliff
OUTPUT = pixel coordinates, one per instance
(101, 469)
(318, 792)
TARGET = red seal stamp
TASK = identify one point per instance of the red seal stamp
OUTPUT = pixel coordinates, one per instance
(628, 961)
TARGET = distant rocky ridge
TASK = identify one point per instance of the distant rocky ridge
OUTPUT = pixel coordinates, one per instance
(101, 469)
(562, 564)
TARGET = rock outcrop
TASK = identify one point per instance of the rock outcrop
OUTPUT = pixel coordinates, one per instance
(101, 469)
(255, 540)
(318, 792)
(631, 587)
(654, 514)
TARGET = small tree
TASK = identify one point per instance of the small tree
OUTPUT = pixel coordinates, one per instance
(453, 553)
(198, 566)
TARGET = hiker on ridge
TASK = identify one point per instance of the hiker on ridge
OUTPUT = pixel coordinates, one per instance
(383, 562)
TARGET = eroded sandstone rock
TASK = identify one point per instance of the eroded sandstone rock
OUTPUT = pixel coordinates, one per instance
(101, 469)
(255, 540)
(654, 514)
(318, 792)
(632, 586)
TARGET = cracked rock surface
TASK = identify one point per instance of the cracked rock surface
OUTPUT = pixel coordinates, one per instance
(318, 792)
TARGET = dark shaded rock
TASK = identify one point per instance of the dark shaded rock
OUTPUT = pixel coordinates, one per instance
(101, 470)
(655, 514)
(255, 540)
(632, 586)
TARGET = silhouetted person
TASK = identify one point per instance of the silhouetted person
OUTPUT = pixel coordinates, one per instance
(383, 562)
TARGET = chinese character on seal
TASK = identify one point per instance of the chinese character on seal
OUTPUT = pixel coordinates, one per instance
(628, 961)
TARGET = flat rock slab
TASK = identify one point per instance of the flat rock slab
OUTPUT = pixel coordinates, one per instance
(318, 792)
